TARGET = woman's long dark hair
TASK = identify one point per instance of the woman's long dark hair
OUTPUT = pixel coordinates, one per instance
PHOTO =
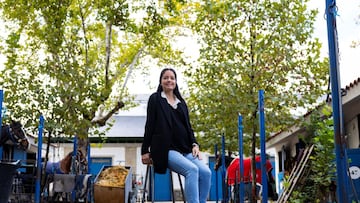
(176, 90)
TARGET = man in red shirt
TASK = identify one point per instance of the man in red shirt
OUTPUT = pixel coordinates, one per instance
(233, 176)
(268, 167)
(233, 170)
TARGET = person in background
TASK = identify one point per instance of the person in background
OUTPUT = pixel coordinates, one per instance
(169, 140)
(233, 176)
(269, 177)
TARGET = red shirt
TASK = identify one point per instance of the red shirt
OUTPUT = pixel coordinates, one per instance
(233, 170)
(268, 167)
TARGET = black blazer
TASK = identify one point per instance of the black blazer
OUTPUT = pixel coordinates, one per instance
(158, 131)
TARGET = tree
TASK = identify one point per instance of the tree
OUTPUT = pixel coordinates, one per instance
(68, 60)
(248, 46)
(318, 183)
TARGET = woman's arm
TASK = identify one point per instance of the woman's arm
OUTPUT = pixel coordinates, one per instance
(191, 131)
(149, 124)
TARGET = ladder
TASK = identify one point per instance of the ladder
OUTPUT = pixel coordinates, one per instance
(296, 174)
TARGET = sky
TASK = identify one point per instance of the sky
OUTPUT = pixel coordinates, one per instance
(347, 28)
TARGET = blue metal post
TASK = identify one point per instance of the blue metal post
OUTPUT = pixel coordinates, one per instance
(152, 184)
(38, 160)
(74, 154)
(336, 101)
(73, 168)
(223, 168)
(1, 102)
(262, 148)
(88, 157)
(216, 176)
(90, 196)
(241, 160)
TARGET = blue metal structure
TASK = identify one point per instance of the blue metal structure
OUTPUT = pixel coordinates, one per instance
(216, 181)
(74, 154)
(262, 147)
(223, 169)
(1, 101)
(216, 176)
(241, 160)
(354, 171)
(89, 163)
(97, 164)
(73, 167)
(38, 168)
(331, 10)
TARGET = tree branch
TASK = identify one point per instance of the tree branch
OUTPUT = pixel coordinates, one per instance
(108, 52)
(101, 120)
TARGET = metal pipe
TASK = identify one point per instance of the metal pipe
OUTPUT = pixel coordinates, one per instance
(336, 101)
(223, 168)
(263, 147)
(1, 102)
(38, 160)
(216, 176)
(241, 159)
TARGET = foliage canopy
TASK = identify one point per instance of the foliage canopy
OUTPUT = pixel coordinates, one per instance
(248, 46)
(68, 59)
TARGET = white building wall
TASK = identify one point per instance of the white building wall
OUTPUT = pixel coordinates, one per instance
(55, 153)
(117, 153)
(351, 132)
(279, 148)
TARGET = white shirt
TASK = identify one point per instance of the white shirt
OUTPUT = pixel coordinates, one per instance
(163, 95)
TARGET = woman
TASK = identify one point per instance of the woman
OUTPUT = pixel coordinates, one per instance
(169, 140)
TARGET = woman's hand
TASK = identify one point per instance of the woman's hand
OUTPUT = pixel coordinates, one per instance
(146, 159)
(196, 151)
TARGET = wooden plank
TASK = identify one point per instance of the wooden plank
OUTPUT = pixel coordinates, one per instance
(296, 174)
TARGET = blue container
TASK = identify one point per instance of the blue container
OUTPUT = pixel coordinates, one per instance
(7, 171)
(162, 186)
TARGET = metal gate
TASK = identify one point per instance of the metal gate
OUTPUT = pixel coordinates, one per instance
(354, 173)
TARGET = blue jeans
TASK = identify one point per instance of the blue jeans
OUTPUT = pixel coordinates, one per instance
(197, 175)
